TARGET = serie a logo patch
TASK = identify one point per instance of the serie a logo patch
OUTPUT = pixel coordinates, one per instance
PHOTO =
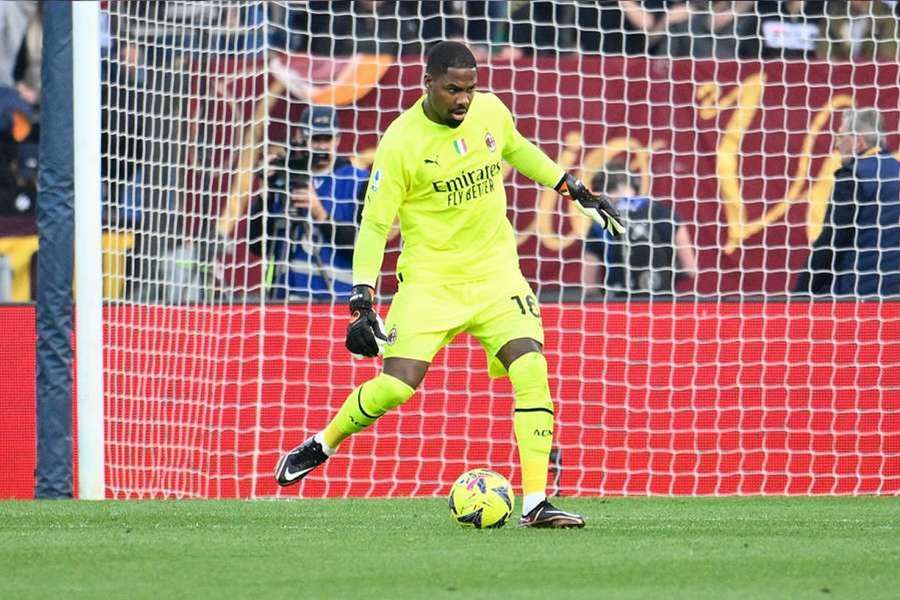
(489, 142)
(376, 180)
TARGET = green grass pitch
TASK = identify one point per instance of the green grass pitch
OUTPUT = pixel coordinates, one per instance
(632, 548)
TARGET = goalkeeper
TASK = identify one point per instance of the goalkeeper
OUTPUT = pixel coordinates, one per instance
(438, 166)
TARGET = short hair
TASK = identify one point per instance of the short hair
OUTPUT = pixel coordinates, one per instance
(866, 123)
(612, 176)
(448, 55)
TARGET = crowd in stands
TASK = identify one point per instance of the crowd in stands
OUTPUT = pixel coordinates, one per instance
(722, 29)
(138, 36)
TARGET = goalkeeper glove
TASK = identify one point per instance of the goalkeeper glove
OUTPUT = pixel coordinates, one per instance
(365, 333)
(597, 208)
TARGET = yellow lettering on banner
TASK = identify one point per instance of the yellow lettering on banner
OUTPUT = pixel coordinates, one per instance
(544, 226)
(728, 156)
(747, 99)
(709, 101)
(820, 189)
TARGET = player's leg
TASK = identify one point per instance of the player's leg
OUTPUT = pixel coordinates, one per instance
(415, 341)
(533, 415)
(509, 327)
(395, 385)
(533, 424)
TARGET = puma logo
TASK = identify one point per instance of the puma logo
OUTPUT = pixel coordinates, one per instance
(431, 161)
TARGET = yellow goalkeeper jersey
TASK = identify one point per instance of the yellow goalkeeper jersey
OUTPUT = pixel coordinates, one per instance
(446, 185)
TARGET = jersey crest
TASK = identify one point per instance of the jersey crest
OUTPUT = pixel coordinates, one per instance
(490, 142)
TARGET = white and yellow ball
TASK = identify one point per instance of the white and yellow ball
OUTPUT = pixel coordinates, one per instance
(482, 499)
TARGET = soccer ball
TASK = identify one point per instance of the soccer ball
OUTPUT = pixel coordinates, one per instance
(482, 499)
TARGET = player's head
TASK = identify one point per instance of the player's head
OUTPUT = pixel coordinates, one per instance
(861, 130)
(449, 82)
(320, 132)
(615, 181)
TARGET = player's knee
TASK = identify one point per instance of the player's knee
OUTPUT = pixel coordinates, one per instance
(385, 392)
(528, 375)
(409, 371)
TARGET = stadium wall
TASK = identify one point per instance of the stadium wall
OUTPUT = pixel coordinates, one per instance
(742, 149)
(658, 398)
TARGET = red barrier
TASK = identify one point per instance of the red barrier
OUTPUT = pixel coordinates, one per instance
(18, 379)
(652, 398)
(657, 398)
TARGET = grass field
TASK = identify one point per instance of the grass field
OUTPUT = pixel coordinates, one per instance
(632, 548)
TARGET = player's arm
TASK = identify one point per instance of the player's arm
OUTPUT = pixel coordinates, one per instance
(386, 189)
(531, 161)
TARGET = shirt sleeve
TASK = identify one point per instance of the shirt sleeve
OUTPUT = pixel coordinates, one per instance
(387, 188)
(527, 158)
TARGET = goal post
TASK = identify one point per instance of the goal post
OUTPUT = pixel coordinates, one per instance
(682, 361)
(88, 255)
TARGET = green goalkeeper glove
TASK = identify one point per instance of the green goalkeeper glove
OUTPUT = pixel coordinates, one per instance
(597, 208)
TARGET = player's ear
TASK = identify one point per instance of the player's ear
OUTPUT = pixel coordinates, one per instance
(428, 80)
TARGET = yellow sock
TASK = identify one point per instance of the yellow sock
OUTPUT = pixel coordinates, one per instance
(364, 405)
(533, 421)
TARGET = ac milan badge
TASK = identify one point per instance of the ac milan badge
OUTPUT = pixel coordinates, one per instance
(489, 142)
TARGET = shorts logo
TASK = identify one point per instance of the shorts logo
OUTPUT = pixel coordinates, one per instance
(376, 180)
(489, 142)
(460, 146)
(392, 336)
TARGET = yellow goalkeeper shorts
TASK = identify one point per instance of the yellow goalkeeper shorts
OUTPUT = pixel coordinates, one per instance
(423, 318)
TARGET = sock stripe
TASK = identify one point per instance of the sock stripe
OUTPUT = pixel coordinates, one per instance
(546, 410)
(359, 404)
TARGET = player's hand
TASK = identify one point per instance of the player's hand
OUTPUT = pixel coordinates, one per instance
(596, 207)
(365, 333)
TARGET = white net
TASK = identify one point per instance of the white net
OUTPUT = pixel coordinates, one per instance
(708, 352)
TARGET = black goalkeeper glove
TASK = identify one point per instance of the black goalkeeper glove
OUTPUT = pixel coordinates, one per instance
(597, 208)
(365, 333)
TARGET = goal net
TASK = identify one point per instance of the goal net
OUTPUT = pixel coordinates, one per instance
(704, 353)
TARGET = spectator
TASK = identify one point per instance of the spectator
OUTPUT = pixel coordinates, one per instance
(241, 29)
(342, 28)
(375, 29)
(858, 251)
(784, 29)
(655, 248)
(311, 213)
(862, 30)
(708, 30)
(18, 132)
(540, 26)
(626, 26)
(475, 22)
(18, 154)
(27, 71)
(14, 20)
(123, 98)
